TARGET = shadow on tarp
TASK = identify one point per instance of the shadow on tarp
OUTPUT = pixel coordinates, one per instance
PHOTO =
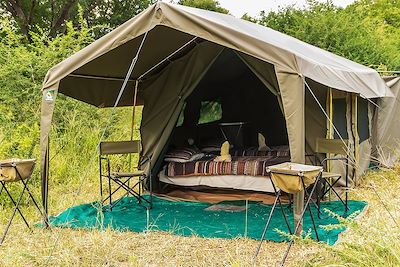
(225, 220)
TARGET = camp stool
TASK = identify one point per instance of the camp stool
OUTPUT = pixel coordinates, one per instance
(122, 179)
(292, 178)
(13, 171)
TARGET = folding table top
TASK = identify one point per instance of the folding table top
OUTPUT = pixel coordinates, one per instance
(12, 170)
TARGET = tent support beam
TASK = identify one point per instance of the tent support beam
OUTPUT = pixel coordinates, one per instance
(167, 58)
(99, 77)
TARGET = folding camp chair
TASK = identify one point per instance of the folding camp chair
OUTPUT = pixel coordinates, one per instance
(122, 179)
(291, 178)
(329, 179)
(13, 171)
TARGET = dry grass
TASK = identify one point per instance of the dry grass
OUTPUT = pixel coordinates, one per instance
(371, 242)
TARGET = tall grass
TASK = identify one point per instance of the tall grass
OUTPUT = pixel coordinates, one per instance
(374, 240)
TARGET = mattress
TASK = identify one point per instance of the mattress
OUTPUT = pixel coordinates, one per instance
(248, 165)
(240, 182)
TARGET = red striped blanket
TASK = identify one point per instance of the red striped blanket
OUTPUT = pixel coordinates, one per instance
(254, 166)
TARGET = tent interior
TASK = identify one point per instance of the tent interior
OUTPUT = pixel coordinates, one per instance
(230, 92)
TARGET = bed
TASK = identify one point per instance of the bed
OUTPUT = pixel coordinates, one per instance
(244, 172)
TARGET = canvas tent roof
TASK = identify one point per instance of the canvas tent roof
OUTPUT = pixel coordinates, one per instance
(182, 24)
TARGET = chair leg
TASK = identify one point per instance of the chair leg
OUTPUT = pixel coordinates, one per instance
(298, 224)
(284, 216)
(109, 191)
(2, 186)
(265, 229)
(151, 192)
(313, 223)
(140, 190)
(101, 190)
(13, 214)
(32, 198)
(15, 205)
(278, 194)
(309, 209)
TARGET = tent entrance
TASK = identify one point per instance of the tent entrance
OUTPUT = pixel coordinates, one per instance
(230, 92)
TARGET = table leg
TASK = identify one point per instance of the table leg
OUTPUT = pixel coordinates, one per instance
(298, 208)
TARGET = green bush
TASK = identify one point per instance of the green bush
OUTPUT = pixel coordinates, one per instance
(366, 32)
(76, 125)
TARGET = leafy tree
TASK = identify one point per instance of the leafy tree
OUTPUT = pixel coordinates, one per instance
(211, 5)
(51, 15)
(366, 31)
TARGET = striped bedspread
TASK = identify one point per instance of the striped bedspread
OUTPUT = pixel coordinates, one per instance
(248, 165)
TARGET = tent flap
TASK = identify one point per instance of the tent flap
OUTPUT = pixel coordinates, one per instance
(386, 126)
(165, 94)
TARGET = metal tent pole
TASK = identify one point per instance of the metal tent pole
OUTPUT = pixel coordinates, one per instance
(167, 58)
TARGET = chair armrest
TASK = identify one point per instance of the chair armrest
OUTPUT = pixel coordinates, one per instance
(335, 159)
(101, 159)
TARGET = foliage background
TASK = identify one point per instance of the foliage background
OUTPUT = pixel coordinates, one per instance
(31, 42)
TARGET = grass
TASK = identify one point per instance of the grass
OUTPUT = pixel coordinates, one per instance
(372, 241)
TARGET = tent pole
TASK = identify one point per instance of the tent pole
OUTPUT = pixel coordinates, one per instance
(45, 185)
(167, 58)
(330, 133)
(355, 134)
(99, 77)
(133, 119)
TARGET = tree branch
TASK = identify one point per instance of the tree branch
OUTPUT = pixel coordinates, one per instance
(15, 8)
(66, 9)
(31, 12)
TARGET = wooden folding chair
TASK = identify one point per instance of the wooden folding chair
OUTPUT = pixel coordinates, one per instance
(122, 179)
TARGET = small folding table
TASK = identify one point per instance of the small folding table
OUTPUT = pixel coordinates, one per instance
(13, 171)
(293, 178)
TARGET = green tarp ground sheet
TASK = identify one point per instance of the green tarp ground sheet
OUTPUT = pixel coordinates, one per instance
(225, 220)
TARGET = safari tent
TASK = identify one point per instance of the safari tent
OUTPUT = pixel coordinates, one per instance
(168, 55)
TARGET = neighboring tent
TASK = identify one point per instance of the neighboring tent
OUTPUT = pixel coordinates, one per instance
(386, 126)
(286, 66)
